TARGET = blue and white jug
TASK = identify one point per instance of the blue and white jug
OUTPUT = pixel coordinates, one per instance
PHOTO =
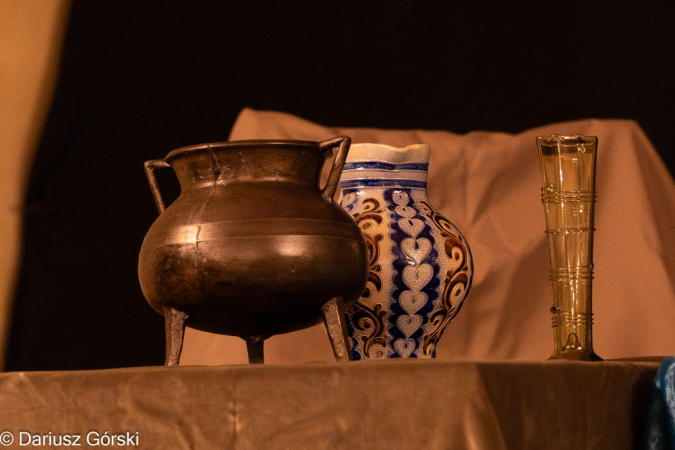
(420, 264)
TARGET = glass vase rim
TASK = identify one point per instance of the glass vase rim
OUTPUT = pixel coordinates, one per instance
(567, 139)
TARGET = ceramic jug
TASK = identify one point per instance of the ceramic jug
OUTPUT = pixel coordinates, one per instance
(253, 246)
(420, 264)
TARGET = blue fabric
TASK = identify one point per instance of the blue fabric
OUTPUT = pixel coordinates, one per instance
(659, 426)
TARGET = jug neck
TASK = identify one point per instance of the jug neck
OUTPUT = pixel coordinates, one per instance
(384, 166)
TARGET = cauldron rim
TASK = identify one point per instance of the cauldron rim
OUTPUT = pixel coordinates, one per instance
(252, 143)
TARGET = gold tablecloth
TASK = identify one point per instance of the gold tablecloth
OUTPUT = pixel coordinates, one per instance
(402, 404)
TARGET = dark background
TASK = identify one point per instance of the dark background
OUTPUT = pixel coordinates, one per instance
(139, 79)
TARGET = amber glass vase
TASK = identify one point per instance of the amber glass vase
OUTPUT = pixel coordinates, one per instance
(568, 195)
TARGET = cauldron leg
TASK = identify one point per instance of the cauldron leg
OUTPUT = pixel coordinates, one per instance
(174, 328)
(334, 318)
(255, 347)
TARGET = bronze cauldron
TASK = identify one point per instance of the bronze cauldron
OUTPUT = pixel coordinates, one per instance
(252, 246)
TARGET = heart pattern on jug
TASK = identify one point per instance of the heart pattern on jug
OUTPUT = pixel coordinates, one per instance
(412, 227)
(409, 324)
(416, 277)
(412, 302)
(404, 347)
(416, 249)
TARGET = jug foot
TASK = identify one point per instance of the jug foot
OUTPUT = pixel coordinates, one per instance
(334, 318)
(174, 328)
(255, 345)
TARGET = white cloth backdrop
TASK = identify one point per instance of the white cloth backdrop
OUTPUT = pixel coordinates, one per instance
(488, 185)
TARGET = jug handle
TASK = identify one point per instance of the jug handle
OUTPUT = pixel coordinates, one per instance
(150, 167)
(343, 143)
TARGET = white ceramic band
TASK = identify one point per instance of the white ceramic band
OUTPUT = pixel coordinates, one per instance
(365, 152)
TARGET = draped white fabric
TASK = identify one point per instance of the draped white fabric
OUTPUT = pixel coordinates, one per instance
(488, 184)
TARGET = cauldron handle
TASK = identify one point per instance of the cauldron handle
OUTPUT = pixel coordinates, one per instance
(150, 167)
(343, 143)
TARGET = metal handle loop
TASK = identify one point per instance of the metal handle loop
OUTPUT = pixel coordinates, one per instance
(343, 143)
(150, 167)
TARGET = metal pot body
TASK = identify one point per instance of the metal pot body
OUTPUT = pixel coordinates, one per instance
(252, 246)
